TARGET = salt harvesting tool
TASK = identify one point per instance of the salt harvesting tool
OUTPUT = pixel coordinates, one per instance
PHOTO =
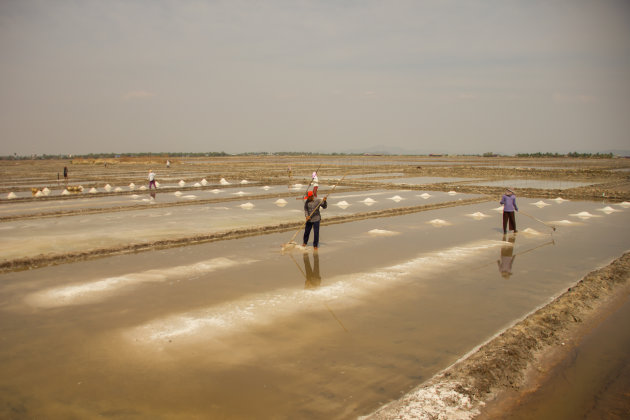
(291, 242)
(538, 220)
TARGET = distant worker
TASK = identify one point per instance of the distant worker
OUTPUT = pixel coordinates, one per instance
(65, 174)
(168, 163)
(152, 179)
(315, 183)
(313, 217)
(509, 207)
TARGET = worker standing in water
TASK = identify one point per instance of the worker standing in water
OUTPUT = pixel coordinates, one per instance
(509, 207)
(152, 179)
(313, 217)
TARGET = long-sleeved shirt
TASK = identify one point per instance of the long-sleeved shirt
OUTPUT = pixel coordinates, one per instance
(509, 202)
(309, 206)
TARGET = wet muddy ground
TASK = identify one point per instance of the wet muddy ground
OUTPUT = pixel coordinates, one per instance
(238, 329)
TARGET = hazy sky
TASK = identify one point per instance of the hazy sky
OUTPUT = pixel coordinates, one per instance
(317, 76)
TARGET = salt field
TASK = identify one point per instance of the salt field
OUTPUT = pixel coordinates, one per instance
(405, 283)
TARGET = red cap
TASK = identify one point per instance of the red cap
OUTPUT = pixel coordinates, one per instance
(309, 194)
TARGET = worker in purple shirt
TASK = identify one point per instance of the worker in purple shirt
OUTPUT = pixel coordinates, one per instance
(509, 207)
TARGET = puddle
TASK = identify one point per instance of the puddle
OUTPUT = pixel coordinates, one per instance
(194, 331)
(534, 183)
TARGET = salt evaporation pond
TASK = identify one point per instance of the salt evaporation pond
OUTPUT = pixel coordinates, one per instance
(534, 183)
(28, 238)
(420, 180)
(234, 329)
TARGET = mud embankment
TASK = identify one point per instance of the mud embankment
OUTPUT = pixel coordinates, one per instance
(509, 361)
(54, 259)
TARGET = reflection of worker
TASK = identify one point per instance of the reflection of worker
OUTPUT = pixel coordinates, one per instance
(311, 211)
(313, 280)
(509, 206)
(152, 179)
(507, 258)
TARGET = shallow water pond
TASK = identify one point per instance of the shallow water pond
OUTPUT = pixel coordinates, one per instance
(236, 329)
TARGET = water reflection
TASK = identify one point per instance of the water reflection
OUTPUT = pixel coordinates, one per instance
(507, 257)
(313, 279)
(152, 193)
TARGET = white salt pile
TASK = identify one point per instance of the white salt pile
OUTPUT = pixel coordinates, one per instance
(215, 191)
(11, 195)
(157, 184)
(343, 204)
(39, 194)
(132, 186)
(425, 195)
(240, 193)
(540, 204)
(197, 185)
(142, 188)
(46, 191)
(439, 222)
(244, 181)
(247, 206)
(223, 182)
(478, 215)
(563, 222)
(452, 192)
(296, 186)
(93, 190)
(108, 188)
(583, 215)
(190, 197)
(624, 204)
(280, 202)
(368, 200)
(65, 192)
(181, 183)
(531, 232)
(117, 189)
(396, 198)
(559, 200)
(135, 196)
(382, 232)
(266, 187)
(204, 182)
(608, 210)
(177, 193)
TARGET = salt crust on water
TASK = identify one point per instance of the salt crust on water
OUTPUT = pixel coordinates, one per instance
(98, 290)
(381, 232)
(247, 206)
(239, 315)
(280, 201)
(190, 197)
(439, 222)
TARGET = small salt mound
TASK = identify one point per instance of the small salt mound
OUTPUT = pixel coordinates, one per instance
(563, 222)
(11, 196)
(204, 182)
(559, 200)
(425, 195)
(266, 187)
(297, 185)
(197, 184)
(223, 182)
(368, 200)
(343, 204)
(247, 206)
(135, 196)
(531, 232)
(117, 189)
(439, 222)
(215, 191)
(498, 209)
(65, 192)
(452, 192)
(190, 197)
(157, 184)
(381, 232)
(396, 198)
(132, 186)
(240, 193)
(583, 215)
(93, 190)
(177, 193)
(181, 183)
(39, 194)
(540, 204)
(142, 188)
(45, 191)
(625, 204)
(478, 215)
(280, 202)
(608, 210)
(108, 188)
(244, 181)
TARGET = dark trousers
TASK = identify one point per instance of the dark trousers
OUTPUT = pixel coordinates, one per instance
(307, 232)
(508, 216)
